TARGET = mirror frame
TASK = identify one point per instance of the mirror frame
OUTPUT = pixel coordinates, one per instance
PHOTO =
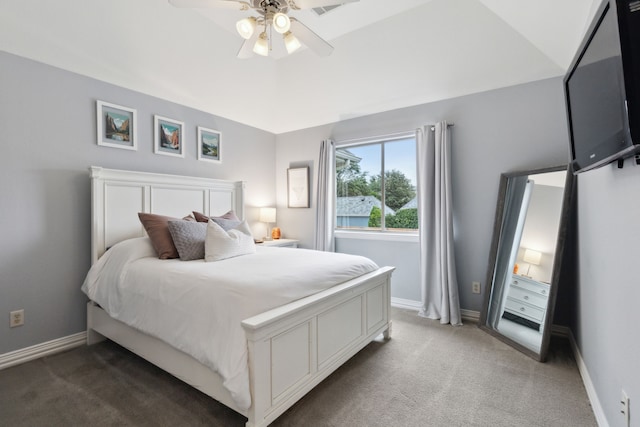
(557, 261)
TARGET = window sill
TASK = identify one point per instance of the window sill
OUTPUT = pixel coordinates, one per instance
(380, 236)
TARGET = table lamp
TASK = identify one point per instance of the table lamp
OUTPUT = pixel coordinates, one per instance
(268, 215)
(532, 257)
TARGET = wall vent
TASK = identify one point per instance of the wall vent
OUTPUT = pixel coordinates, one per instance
(324, 9)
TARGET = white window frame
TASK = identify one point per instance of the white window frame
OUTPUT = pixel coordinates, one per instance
(383, 233)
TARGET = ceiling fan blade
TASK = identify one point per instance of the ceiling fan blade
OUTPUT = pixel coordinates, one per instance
(310, 39)
(310, 4)
(246, 50)
(207, 4)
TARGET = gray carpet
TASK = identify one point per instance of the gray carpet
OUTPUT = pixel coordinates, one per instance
(426, 375)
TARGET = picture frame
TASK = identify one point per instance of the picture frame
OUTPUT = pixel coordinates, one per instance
(298, 187)
(209, 145)
(168, 136)
(116, 126)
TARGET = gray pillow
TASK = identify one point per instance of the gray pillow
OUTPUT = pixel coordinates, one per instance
(188, 237)
(226, 224)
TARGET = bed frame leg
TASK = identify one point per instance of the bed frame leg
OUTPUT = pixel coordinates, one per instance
(387, 332)
(93, 337)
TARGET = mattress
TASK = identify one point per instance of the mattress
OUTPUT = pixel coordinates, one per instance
(197, 307)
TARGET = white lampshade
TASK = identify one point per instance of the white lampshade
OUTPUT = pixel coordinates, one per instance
(268, 215)
(291, 42)
(281, 23)
(262, 45)
(246, 27)
(532, 257)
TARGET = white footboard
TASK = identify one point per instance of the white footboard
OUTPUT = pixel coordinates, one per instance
(294, 347)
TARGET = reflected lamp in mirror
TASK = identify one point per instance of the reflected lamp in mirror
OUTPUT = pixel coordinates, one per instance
(532, 258)
(268, 215)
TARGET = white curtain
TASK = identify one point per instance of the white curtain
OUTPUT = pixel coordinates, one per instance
(326, 198)
(440, 299)
(516, 204)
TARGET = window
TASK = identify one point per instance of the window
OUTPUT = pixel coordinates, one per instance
(376, 185)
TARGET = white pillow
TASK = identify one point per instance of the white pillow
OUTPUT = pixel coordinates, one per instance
(220, 244)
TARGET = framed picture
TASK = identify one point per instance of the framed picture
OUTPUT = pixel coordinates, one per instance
(209, 145)
(298, 187)
(116, 125)
(168, 136)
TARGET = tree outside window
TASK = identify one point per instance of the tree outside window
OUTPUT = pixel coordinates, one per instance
(367, 172)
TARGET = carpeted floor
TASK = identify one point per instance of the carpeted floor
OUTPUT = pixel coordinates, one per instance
(426, 375)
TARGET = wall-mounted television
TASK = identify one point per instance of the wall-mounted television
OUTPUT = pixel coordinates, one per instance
(602, 88)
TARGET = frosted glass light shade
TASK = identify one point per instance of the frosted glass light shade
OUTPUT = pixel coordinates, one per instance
(281, 23)
(291, 42)
(246, 27)
(262, 45)
(268, 215)
(532, 257)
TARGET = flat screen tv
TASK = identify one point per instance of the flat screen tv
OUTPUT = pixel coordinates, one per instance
(602, 88)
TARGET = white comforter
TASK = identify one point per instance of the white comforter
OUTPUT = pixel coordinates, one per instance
(197, 307)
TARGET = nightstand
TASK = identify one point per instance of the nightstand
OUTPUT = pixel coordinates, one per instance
(527, 299)
(281, 243)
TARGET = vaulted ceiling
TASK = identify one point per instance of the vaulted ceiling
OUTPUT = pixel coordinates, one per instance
(388, 54)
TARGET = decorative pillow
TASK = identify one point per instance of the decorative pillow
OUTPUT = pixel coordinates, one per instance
(221, 244)
(231, 215)
(190, 217)
(158, 230)
(188, 238)
(226, 224)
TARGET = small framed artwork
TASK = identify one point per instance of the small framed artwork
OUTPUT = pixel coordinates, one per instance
(116, 125)
(298, 187)
(168, 136)
(209, 145)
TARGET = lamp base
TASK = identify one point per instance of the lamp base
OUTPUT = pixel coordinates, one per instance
(267, 239)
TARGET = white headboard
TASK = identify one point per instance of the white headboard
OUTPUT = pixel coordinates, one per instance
(117, 196)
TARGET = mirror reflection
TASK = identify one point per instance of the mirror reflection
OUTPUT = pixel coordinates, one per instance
(527, 235)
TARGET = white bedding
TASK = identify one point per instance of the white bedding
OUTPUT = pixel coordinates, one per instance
(197, 307)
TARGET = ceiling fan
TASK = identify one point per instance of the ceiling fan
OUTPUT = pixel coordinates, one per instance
(272, 15)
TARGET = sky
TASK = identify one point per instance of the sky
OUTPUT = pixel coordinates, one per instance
(400, 155)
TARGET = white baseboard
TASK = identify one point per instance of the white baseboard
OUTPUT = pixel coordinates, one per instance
(40, 350)
(407, 304)
(470, 315)
(601, 419)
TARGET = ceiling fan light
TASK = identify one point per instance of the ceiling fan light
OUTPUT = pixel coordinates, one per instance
(262, 45)
(281, 22)
(246, 27)
(291, 42)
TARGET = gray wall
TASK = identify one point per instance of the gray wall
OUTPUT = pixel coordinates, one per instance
(405, 256)
(608, 285)
(517, 128)
(48, 128)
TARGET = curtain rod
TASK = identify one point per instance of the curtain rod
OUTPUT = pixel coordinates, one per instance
(433, 127)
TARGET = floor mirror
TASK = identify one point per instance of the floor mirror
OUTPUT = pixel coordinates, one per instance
(525, 258)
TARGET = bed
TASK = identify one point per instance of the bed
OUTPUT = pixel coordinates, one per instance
(290, 348)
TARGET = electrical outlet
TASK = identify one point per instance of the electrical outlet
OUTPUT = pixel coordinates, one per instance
(624, 408)
(16, 318)
(475, 287)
